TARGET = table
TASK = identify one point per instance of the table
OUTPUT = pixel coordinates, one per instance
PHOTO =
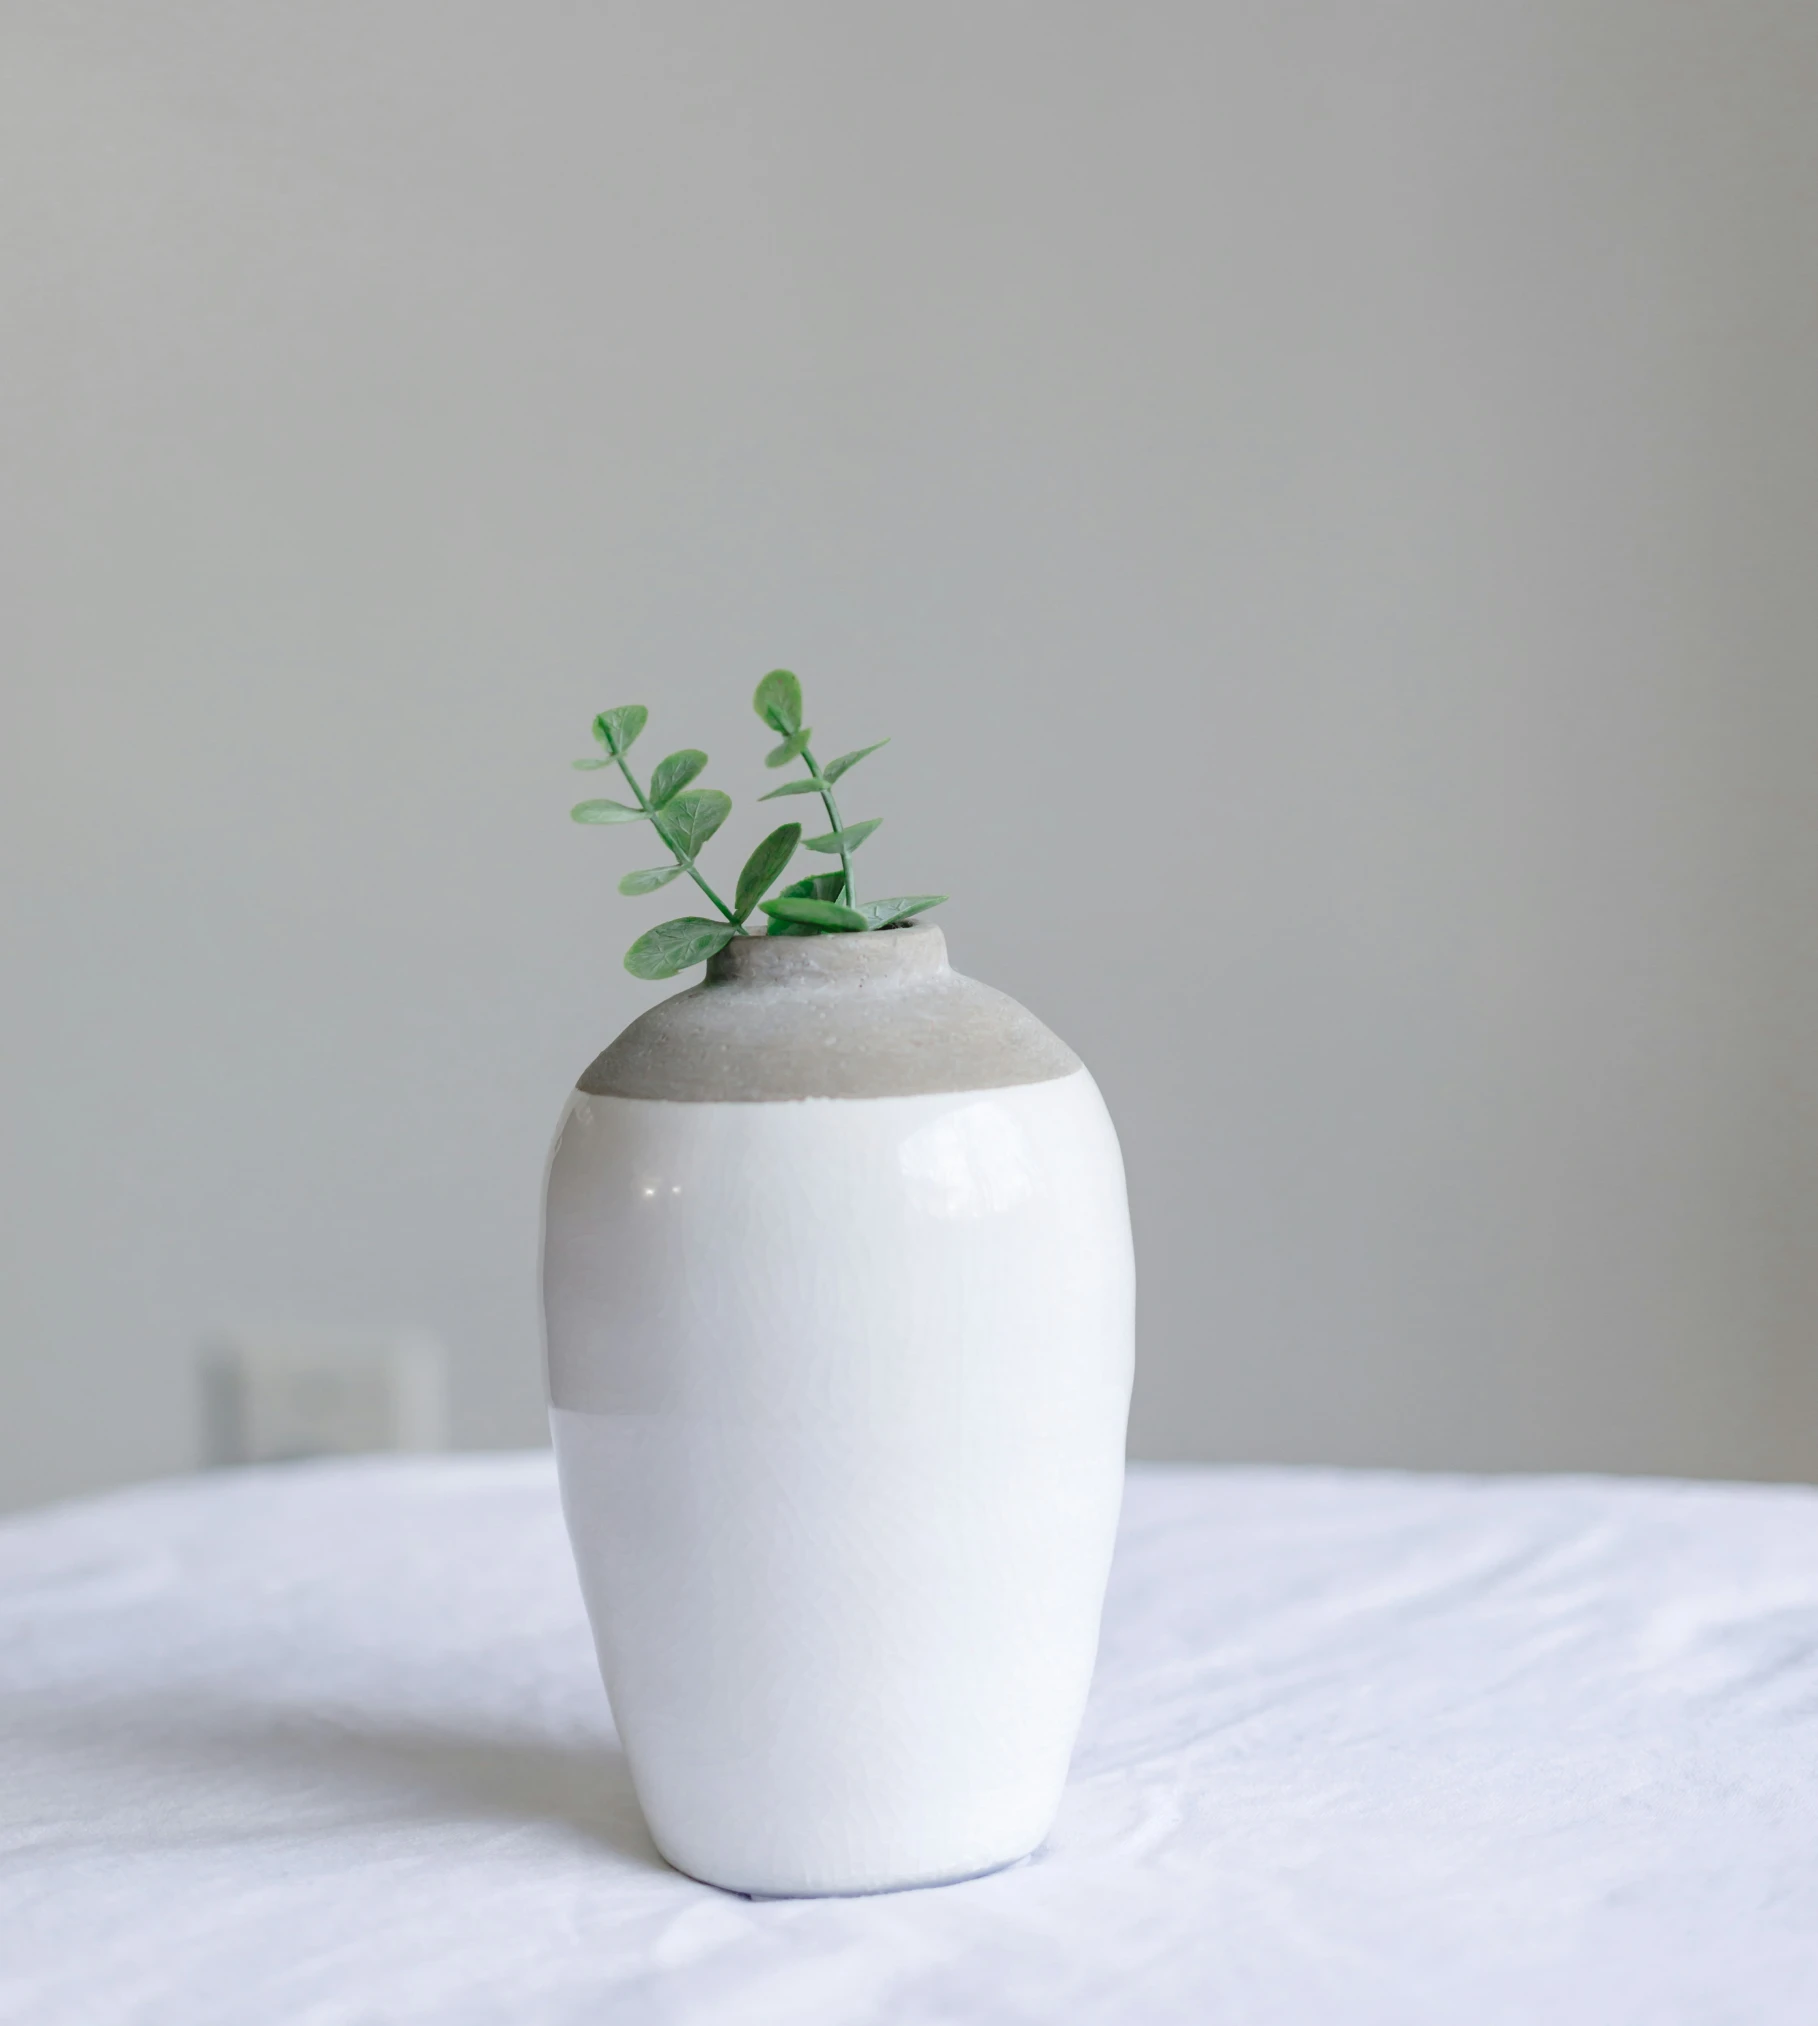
(325, 1744)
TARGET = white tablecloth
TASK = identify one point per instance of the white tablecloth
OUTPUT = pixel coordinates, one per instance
(327, 1745)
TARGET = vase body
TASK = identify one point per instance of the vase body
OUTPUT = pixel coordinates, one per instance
(839, 1375)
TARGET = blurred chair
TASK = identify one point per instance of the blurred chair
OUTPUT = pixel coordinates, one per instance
(276, 1395)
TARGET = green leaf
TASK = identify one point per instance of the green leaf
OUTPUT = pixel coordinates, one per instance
(635, 883)
(848, 839)
(817, 914)
(792, 748)
(764, 866)
(693, 817)
(792, 788)
(881, 914)
(778, 701)
(617, 730)
(672, 946)
(587, 766)
(817, 886)
(674, 774)
(835, 768)
(605, 812)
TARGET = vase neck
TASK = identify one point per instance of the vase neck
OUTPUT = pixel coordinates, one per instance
(914, 954)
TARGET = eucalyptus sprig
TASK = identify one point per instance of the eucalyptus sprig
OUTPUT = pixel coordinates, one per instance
(825, 903)
(686, 818)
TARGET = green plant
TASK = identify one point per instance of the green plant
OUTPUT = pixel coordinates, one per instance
(686, 818)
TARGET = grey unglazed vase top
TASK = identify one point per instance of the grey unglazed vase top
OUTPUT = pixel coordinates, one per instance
(881, 1014)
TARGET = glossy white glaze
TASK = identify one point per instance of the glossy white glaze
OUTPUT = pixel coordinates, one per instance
(839, 1390)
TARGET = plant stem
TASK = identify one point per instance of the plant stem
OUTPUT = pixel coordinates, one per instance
(681, 857)
(833, 817)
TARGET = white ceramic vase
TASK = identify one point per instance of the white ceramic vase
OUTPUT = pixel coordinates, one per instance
(838, 1303)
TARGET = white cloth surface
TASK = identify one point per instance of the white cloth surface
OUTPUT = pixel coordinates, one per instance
(326, 1745)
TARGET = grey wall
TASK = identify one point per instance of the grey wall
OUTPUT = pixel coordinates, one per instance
(1323, 496)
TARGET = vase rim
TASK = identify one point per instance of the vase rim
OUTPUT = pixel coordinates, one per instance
(916, 951)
